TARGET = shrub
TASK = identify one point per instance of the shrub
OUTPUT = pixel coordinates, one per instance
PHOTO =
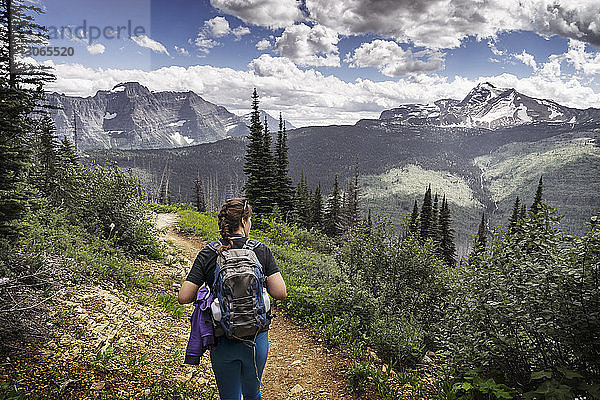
(202, 224)
(531, 302)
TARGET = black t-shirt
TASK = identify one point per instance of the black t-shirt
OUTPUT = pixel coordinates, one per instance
(203, 269)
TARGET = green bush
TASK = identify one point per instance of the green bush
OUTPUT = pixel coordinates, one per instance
(201, 224)
(530, 302)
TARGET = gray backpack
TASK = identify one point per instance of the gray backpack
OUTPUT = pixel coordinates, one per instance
(241, 303)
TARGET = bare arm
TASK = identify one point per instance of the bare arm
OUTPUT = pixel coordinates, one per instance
(276, 286)
(187, 292)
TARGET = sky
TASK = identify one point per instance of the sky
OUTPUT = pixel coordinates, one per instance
(322, 62)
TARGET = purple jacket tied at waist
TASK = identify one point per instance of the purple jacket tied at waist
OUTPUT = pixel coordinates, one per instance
(202, 335)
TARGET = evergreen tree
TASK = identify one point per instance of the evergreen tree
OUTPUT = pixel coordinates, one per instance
(254, 159)
(268, 178)
(523, 212)
(426, 216)
(448, 249)
(481, 238)
(46, 155)
(332, 216)
(21, 91)
(200, 199)
(413, 224)
(284, 183)
(317, 208)
(514, 218)
(302, 203)
(435, 215)
(537, 200)
(66, 152)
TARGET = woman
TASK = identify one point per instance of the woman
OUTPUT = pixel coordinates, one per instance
(238, 367)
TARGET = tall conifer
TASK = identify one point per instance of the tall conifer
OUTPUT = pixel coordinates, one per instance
(332, 216)
(254, 159)
(447, 247)
(284, 185)
(426, 216)
(413, 224)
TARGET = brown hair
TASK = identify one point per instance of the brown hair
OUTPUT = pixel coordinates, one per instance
(230, 218)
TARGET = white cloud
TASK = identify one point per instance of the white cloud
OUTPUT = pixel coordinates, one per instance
(96, 48)
(494, 49)
(445, 23)
(240, 31)
(307, 45)
(263, 44)
(583, 61)
(145, 41)
(181, 50)
(391, 60)
(307, 97)
(217, 27)
(526, 59)
(271, 13)
(204, 44)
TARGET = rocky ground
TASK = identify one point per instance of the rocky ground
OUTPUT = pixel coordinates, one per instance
(110, 343)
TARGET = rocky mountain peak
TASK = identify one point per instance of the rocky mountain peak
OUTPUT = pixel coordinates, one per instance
(131, 89)
(129, 116)
(491, 107)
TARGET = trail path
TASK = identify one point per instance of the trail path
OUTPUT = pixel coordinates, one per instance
(299, 365)
(113, 343)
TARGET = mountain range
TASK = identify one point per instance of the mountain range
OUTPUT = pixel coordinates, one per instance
(129, 116)
(480, 152)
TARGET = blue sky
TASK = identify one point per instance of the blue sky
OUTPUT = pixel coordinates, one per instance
(346, 61)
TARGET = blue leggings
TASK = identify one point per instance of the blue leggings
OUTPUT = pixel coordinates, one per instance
(235, 369)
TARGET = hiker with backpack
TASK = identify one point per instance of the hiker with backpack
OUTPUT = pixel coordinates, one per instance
(238, 272)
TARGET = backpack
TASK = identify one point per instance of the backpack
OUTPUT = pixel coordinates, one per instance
(239, 309)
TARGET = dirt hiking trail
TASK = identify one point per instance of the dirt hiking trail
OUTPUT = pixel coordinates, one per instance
(299, 365)
(109, 342)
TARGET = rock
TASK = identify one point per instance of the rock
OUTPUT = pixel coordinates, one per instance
(296, 390)
(426, 360)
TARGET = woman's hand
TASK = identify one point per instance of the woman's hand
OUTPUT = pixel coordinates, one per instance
(187, 292)
(276, 286)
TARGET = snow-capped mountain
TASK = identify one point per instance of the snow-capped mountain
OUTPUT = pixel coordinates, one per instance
(271, 121)
(488, 106)
(132, 117)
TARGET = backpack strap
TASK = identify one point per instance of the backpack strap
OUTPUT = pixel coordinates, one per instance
(251, 244)
(215, 245)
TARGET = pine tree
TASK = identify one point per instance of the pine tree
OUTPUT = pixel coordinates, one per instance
(514, 218)
(268, 178)
(448, 249)
(332, 215)
(284, 183)
(46, 155)
(413, 224)
(254, 158)
(523, 212)
(317, 208)
(353, 194)
(435, 215)
(66, 152)
(302, 202)
(481, 238)
(21, 91)
(426, 215)
(537, 200)
(200, 199)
